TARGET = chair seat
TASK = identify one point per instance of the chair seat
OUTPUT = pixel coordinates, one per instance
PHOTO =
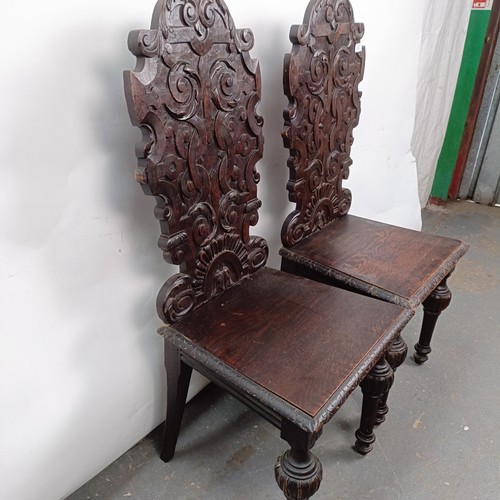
(389, 262)
(263, 330)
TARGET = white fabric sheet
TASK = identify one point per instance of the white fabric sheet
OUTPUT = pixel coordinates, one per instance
(443, 38)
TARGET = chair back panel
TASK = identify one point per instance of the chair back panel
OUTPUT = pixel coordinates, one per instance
(194, 94)
(321, 79)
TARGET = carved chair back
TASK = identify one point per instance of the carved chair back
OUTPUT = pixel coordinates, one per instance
(194, 94)
(321, 79)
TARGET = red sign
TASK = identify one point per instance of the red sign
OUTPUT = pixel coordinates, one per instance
(481, 4)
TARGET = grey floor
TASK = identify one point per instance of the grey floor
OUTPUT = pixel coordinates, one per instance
(441, 439)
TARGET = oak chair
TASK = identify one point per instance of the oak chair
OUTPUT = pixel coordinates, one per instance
(321, 241)
(290, 348)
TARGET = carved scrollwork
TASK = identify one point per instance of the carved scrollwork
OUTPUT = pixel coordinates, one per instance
(315, 174)
(229, 212)
(293, 230)
(208, 13)
(145, 43)
(319, 70)
(229, 131)
(244, 40)
(195, 95)
(333, 168)
(322, 76)
(185, 88)
(346, 200)
(321, 13)
(190, 13)
(252, 211)
(170, 168)
(174, 247)
(224, 78)
(342, 74)
(255, 121)
(343, 11)
(176, 298)
(258, 254)
(204, 223)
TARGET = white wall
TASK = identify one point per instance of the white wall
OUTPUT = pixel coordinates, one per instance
(383, 176)
(81, 366)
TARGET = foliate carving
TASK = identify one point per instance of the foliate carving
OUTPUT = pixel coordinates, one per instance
(194, 94)
(321, 79)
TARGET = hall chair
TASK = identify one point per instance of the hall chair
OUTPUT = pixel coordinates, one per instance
(321, 240)
(290, 348)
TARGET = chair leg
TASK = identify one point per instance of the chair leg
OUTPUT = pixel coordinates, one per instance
(375, 384)
(297, 471)
(395, 356)
(434, 305)
(178, 377)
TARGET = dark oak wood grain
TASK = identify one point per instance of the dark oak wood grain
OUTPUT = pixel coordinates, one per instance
(390, 262)
(321, 241)
(314, 333)
(291, 349)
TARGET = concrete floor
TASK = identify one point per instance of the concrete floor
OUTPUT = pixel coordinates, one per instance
(441, 439)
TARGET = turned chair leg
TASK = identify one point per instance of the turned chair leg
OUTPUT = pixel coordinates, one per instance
(178, 377)
(434, 305)
(298, 472)
(395, 356)
(375, 384)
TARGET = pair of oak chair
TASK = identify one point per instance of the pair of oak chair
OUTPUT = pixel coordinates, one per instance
(291, 344)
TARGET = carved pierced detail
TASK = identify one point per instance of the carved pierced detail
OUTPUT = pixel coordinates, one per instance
(194, 94)
(321, 79)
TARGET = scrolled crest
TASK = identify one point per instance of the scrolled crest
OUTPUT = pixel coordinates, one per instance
(195, 93)
(321, 80)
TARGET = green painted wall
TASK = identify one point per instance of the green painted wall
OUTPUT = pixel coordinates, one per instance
(470, 61)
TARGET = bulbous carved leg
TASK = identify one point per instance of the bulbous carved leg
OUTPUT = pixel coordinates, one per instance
(375, 384)
(178, 377)
(434, 305)
(298, 472)
(395, 356)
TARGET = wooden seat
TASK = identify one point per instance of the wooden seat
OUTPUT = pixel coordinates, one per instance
(295, 340)
(321, 241)
(389, 262)
(290, 348)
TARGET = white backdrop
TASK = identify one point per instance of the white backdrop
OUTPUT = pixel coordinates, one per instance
(81, 365)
